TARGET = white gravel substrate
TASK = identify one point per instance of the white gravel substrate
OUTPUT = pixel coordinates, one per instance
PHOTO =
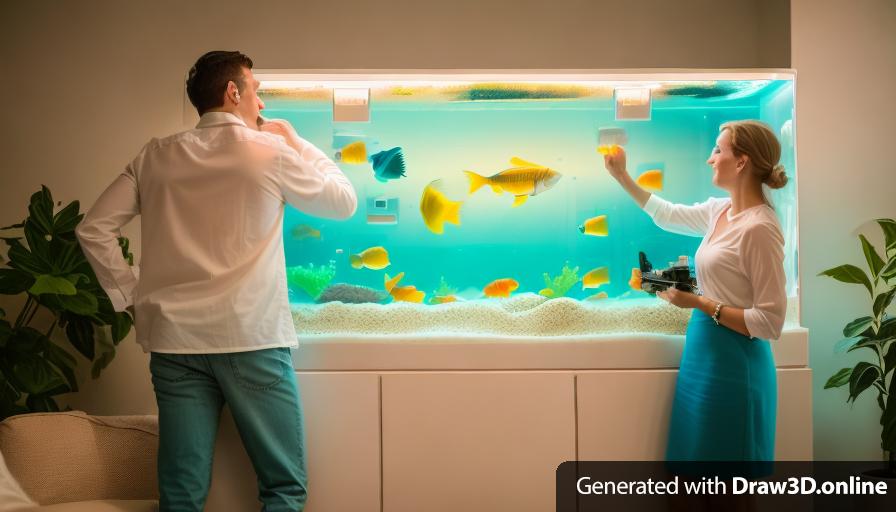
(525, 315)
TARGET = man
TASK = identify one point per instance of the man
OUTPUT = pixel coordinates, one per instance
(211, 302)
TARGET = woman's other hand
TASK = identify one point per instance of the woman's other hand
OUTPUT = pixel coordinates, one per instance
(678, 298)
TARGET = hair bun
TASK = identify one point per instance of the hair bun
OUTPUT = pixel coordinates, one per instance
(777, 178)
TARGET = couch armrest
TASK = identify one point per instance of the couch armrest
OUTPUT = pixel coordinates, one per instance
(70, 456)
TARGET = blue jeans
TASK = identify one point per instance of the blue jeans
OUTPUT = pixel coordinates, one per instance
(260, 389)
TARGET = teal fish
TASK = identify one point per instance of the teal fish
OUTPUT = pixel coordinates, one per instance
(388, 165)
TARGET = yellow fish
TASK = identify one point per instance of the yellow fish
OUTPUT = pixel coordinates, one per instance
(596, 226)
(651, 180)
(438, 209)
(547, 292)
(596, 277)
(597, 296)
(442, 299)
(374, 258)
(500, 288)
(524, 180)
(303, 231)
(635, 281)
(402, 293)
(608, 149)
(354, 153)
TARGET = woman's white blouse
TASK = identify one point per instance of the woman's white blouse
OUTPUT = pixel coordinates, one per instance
(742, 266)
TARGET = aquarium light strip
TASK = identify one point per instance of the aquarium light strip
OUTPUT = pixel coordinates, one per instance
(607, 78)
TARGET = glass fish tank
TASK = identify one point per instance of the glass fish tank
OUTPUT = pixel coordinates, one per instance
(483, 202)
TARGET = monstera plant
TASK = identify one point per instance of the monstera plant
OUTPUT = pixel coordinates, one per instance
(47, 269)
(875, 332)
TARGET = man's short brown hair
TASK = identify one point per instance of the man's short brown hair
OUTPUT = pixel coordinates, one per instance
(208, 78)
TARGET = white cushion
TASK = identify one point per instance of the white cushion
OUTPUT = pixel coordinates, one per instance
(12, 497)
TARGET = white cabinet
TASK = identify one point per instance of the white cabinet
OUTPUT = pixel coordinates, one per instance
(475, 441)
(624, 414)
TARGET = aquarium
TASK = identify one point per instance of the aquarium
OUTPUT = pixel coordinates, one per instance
(484, 206)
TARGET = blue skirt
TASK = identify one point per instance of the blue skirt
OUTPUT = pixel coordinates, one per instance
(725, 397)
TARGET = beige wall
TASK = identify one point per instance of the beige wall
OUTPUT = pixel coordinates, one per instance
(846, 64)
(88, 83)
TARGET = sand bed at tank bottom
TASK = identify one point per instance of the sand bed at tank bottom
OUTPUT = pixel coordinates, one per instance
(524, 315)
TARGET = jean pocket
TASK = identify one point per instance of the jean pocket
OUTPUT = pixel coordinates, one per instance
(260, 369)
(169, 367)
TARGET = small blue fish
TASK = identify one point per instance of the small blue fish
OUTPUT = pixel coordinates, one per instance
(388, 165)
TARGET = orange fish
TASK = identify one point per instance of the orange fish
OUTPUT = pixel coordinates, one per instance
(597, 296)
(651, 180)
(442, 299)
(500, 288)
(402, 293)
(635, 281)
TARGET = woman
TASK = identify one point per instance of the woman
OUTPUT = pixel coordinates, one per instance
(726, 393)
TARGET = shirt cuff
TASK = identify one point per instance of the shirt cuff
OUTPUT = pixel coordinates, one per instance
(118, 300)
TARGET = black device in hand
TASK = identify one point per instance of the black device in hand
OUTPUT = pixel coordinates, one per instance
(679, 275)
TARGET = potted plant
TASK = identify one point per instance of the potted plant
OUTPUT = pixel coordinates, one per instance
(47, 266)
(875, 332)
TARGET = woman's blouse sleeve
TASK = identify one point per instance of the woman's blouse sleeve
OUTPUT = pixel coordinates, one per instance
(683, 219)
(762, 259)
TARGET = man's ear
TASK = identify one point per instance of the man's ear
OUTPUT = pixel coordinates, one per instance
(233, 92)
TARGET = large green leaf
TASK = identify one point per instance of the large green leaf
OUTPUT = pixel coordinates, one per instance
(67, 219)
(887, 328)
(890, 356)
(863, 376)
(79, 330)
(888, 420)
(64, 362)
(39, 244)
(889, 270)
(845, 344)
(67, 256)
(36, 374)
(8, 392)
(889, 228)
(41, 403)
(41, 211)
(5, 332)
(849, 274)
(838, 379)
(21, 258)
(14, 281)
(83, 303)
(875, 263)
(121, 326)
(882, 301)
(24, 341)
(51, 284)
(858, 327)
(102, 361)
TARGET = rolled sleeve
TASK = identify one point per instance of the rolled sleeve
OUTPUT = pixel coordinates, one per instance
(98, 235)
(691, 220)
(763, 262)
(312, 183)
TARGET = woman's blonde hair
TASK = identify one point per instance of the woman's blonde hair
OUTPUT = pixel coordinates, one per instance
(756, 140)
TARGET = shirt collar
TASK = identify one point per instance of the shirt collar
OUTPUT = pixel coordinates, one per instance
(210, 119)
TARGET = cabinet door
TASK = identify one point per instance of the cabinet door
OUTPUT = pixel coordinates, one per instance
(481, 441)
(342, 443)
(624, 415)
(793, 439)
(342, 439)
